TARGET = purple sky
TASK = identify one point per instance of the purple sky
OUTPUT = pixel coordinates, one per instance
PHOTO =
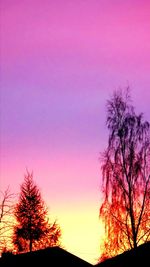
(60, 62)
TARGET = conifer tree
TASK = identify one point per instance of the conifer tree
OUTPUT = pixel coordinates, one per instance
(33, 230)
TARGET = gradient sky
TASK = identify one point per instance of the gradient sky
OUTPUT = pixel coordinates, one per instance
(60, 61)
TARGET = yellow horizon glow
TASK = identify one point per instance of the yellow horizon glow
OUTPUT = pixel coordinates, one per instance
(82, 232)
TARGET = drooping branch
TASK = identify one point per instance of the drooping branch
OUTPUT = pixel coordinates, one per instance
(126, 175)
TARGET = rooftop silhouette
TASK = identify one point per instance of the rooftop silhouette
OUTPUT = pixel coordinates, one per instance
(130, 258)
(54, 256)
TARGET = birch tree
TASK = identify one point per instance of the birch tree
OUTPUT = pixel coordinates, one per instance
(125, 209)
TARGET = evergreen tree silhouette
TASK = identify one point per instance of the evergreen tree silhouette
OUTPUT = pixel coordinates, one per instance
(32, 226)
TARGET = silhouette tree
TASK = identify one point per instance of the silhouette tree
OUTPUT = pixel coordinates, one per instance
(33, 230)
(125, 209)
(6, 222)
(51, 238)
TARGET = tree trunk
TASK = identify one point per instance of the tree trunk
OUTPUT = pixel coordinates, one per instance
(30, 245)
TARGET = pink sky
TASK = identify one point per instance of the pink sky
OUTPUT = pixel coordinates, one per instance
(60, 62)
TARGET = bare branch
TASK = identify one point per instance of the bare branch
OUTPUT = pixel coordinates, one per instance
(126, 176)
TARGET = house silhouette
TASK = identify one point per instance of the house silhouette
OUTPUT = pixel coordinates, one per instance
(54, 256)
(131, 258)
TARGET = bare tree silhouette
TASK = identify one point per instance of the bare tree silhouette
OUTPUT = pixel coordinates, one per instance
(126, 177)
(6, 214)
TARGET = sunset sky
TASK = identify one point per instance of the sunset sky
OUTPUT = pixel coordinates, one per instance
(60, 60)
